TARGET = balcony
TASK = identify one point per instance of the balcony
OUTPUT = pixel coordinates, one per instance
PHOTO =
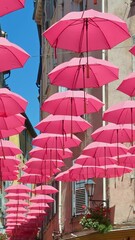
(38, 12)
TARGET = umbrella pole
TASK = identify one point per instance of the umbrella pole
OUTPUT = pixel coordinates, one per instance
(71, 118)
(87, 66)
(84, 90)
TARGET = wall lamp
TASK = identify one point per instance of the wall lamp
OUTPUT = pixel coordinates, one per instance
(90, 187)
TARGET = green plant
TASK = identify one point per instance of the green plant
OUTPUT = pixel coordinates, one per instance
(97, 218)
(3, 236)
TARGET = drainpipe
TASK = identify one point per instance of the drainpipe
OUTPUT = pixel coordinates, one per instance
(103, 99)
(60, 208)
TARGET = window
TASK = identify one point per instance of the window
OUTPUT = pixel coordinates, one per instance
(79, 196)
(78, 5)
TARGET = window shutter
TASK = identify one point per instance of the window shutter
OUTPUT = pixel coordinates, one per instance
(79, 197)
(80, 200)
(49, 9)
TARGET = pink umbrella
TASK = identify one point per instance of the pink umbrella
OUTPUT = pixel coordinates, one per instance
(45, 140)
(45, 189)
(9, 176)
(74, 103)
(9, 161)
(11, 122)
(53, 153)
(13, 224)
(42, 199)
(63, 124)
(11, 132)
(11, 103)
(121, 113)
(72, 74)
(114, 133)
(108, 171)
(17, 196)
(88, 30)
(17, 215)
(128, 85)
(34, 178)
(127, 160)
(19, 220)
(132, 149)
(132, 50)
(14, 203)
(12, 55)
(17, 188)
(37, 212)
(101, 149)
(50, 170)
(16, 209)
(7, 148)
(42, 163)
(95, 161)
(40, 206)
(7, 6)
(90, 172)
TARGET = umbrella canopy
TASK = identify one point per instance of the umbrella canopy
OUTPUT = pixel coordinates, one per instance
(45, 140)
(49, 153)
(12, 55)
(101, 149)
(11, 122)
(132, 149)
(121, 113)
(9, 162)
(7, 148)
(18, 203)
(72, 74)
(132, 50)
(73, 103)
(114, 133)
(34, 178)
(40, 206)
(84, 28)
(17, 215)
(11, 132)
(127, 160)
(9, 175)
(17, 196)
(63, 124)
(43, 163)
(11, 103)
(66, 176)
(128, 85)
(97, 161)
(7, 6)
(37, 212)
(44, 189)
(17, 188)
(42, 199)
(16, 209)
(43, 171)
(108, 171)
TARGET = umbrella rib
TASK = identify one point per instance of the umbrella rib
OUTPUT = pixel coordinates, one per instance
(54, 44)
(13, 55)
(102, 31)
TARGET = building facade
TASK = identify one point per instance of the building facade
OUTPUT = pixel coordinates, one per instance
(64, 217)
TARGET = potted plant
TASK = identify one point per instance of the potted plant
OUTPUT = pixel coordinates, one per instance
(97, 218)
(3, 236)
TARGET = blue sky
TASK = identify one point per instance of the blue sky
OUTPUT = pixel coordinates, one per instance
(22, 30)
